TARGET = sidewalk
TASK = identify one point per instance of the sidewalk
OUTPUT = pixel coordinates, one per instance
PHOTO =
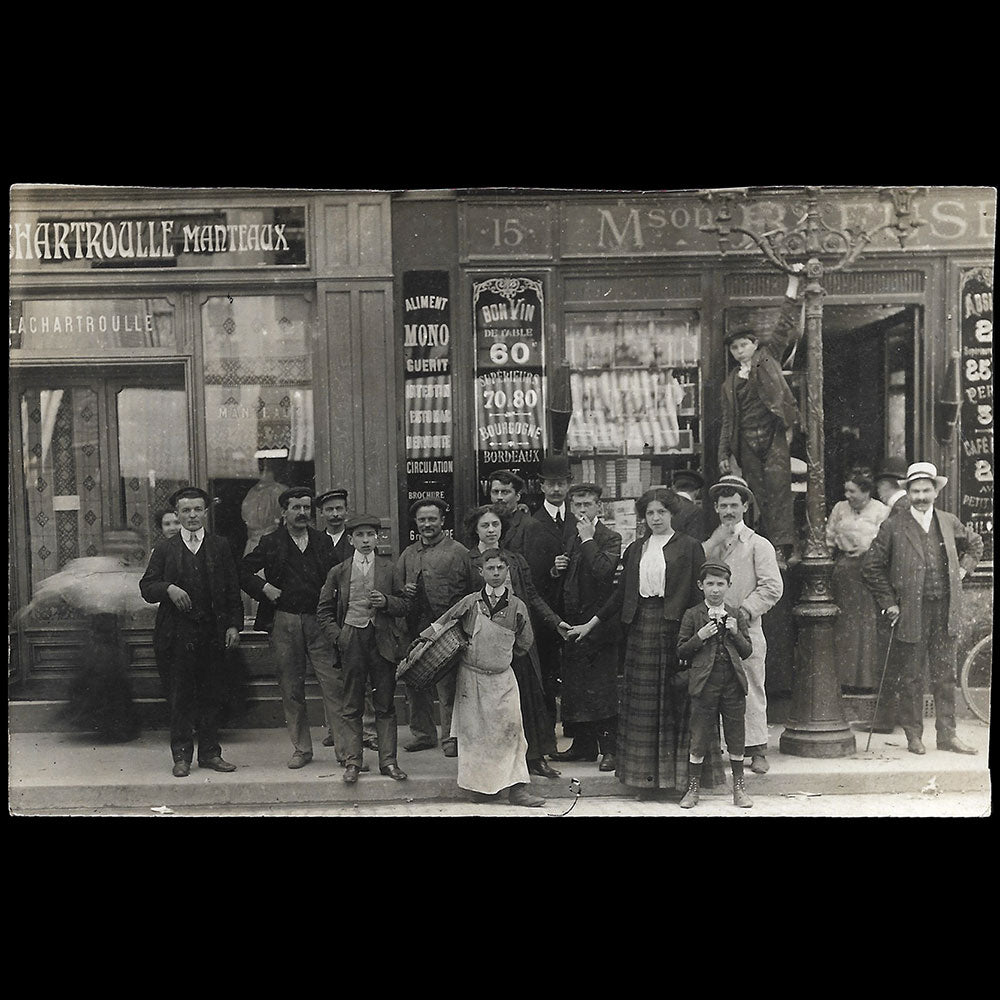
(61, 773)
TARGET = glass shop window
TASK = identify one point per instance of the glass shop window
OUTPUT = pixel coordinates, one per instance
(636, 392)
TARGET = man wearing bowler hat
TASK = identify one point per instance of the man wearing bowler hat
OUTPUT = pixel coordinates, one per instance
(887, 486)
(436, 574)
(914, 569)
(756, 586)
(689, 517)
(295, 561)
(362, 608)
(193, 578)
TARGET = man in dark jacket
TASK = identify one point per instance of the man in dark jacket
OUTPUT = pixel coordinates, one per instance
(589, 692)
(914, 569)
(296, 559)
(689, 517)
(193, 578)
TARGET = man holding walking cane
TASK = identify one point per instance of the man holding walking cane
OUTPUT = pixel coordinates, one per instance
(914, 570)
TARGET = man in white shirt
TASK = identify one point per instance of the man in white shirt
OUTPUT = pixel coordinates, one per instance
(756, 587)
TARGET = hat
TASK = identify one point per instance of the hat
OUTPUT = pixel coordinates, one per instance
(428, 502)
(506, 476)
(363, 521)
(892, 468)
(747, 332)
(714, 566)
(330, 495)
(923, 470)
(291, 494)
(583, 488)
(736, 482)
(555, 467)
(689, 475)
(188, 491)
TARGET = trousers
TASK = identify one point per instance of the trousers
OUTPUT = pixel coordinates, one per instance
(756, 698)
(421, 707)
(721, 694)
(195, 691)
(766, 465)
(362, 663)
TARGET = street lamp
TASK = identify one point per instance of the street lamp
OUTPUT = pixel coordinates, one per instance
(816, 726)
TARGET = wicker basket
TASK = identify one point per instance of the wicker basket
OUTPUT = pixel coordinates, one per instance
(430, 661)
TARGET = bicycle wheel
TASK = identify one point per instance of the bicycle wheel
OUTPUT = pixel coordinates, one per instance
(976, 677)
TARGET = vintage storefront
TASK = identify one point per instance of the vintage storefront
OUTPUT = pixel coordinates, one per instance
(160, 338)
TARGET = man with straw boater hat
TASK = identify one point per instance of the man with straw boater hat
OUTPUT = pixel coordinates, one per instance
(755, 588)
(915, 569)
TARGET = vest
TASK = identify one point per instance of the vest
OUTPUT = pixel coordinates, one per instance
(194, 579)
(936, 563)
(359, 608)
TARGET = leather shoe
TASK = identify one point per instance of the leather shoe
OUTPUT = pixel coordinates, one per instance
(351, 773)
(299, 759)
(759, 764)
(955, 745)
(608, 763)
(540, 766)
(393, 771)
(217, 764)
(520, 796)
(915, 745)
(575, 753)
(328, 741)
(419, 745)
(449, 748)
(363, 768)
(370, 744)
(182, 768)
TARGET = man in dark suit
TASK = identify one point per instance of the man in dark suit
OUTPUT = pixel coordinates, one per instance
(193, 578)
(758, 409)
(590, 665)
(887, 485)
(362, 608)
(914, 569)
(522, 532)
(296, 559)
(689, 516)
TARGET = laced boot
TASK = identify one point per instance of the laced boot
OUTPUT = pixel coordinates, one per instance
(740, 796)
(520, 796)
(690, 799)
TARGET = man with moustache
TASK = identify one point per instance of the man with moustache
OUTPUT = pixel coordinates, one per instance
(756, 586)
(436, 573)
(193, 578)
(914, 569)
(296, 560)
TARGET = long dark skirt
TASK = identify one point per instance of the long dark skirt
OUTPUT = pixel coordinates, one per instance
(654, 723)
(855, 629)
(539, 727)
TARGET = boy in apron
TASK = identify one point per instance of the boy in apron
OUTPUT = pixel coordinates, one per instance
(486, 719)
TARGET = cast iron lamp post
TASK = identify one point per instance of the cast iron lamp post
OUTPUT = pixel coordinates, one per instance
(816, 726)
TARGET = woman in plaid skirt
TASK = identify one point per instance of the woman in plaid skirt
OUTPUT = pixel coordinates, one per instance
(658, 584)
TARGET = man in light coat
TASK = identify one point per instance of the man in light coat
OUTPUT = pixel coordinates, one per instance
(914, 569)
(755, 588)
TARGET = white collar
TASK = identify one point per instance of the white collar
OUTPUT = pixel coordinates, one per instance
(196, 536)
(495, 592)
(552, 510)
(336, 537)
(359, 559)
(924, 520)
(891, 502)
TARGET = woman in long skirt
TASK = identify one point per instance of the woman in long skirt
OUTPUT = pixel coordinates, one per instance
(658, 584)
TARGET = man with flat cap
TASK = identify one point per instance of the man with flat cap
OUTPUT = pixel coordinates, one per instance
(193, 578)
(362, 608)
(914, 569)
(436, 574)
(689, 517)
(295, 561)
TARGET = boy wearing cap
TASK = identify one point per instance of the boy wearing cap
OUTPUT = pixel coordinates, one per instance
(757, 410)
(193, 578)
(435, 572)
(914, 569)
(756, 587)
(715, 638)
(361, 609)
(295, 561)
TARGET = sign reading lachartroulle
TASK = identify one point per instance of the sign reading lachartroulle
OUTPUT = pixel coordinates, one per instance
(508, 316)
(428, 418)
(977, 455)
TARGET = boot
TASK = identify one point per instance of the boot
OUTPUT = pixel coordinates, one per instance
(690, 799)
(740, 797)
(520, 796)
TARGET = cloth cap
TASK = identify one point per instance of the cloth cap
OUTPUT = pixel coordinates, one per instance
(583, 488)
(691, 476)
(291, 494)
(736, 334)
(736, 482)
(923, 470)
(428, 502)
(363, 521)
(330, 495)
(715, 567)
(188, 491)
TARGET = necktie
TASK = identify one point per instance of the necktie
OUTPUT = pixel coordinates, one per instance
(192, 541)
(559, 518)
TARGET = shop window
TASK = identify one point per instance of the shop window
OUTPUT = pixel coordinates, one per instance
(258, 409)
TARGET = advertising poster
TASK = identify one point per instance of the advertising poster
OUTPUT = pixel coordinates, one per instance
(428, 412)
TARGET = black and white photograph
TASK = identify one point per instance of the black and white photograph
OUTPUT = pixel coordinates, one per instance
(500, 502)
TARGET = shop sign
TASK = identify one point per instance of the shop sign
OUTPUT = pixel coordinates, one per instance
(510, 405)
(427, 393)
(977, 457)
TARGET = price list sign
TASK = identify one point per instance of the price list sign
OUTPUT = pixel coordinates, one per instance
(510, 406)
(428, 418)
(976, 469)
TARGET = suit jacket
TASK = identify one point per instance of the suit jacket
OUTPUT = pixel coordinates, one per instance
(701, 652)
(389, 625)
(689, 519)
(894, 568)
(165, 569)
(271, 555)
(522, 534)
(550, 542)
(903, 503)
(589, 579)
(765, 374)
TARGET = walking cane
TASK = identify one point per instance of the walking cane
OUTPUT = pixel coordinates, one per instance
(878, 697)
